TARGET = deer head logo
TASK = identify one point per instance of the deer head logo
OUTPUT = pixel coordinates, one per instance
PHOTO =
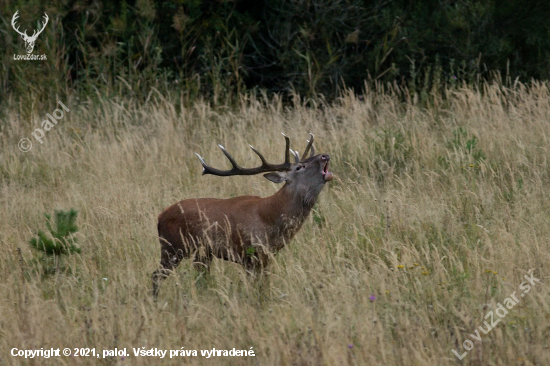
(29, 41)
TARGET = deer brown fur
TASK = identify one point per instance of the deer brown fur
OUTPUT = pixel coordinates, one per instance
(247, 229)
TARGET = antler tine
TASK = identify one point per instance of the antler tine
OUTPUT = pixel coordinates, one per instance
(310, 143)
(229, 157)
(287, 155)
(237, 170)
(312, 151)
(260, 155)
(296, 155)
(203, 163)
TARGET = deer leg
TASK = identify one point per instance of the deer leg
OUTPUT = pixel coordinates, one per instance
(169, 260)
(257, 260)
(256, 269)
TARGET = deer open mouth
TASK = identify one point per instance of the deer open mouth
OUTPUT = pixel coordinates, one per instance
(326, 174)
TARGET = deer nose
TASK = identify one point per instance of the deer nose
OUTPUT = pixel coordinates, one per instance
(325, 158)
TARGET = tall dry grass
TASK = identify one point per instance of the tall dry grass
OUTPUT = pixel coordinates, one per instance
(435, 213)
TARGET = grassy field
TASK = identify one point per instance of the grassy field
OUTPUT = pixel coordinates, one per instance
(435, 216)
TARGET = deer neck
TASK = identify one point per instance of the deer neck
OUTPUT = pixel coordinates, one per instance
(288, 208)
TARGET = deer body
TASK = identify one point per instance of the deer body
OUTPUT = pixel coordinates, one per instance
(244, 230)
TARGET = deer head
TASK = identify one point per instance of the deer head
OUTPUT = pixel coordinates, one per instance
(29, 40)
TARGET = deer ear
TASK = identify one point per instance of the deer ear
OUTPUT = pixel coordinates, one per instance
(276, 177)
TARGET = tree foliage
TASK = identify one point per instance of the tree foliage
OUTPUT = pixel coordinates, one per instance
(220, 49)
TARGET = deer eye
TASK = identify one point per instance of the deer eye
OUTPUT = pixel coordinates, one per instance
(299, 167)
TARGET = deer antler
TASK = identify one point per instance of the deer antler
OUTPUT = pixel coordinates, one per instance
(237, 170)
(35, 34)
(13, 19)
(24, 34)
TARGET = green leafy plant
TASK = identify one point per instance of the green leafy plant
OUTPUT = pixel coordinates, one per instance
(250, 251)
(60, 239)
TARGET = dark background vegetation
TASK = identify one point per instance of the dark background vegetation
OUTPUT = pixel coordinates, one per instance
(218, 50)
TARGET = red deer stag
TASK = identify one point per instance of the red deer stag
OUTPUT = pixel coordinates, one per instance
(243, 229)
